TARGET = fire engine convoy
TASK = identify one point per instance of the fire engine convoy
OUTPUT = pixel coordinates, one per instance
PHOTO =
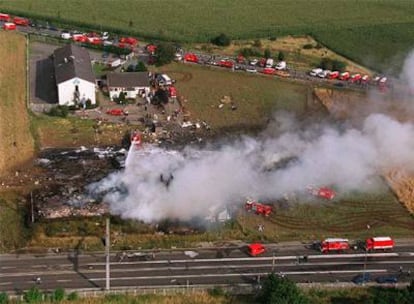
(371, 244)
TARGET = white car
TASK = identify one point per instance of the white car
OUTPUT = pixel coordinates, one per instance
(251, 70)
(281, 65)
(65, 35)
(254, 61)
(324, 73)
(315, 72)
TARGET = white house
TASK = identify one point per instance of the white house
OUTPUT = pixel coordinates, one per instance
(132, 84)
(75, 80)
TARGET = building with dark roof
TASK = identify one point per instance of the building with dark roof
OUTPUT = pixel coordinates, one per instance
(132, 84)
(75, 80)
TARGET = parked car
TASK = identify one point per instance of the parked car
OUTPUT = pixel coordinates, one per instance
(315, 72)
(253, 62)
(387, 279)
(65, 35)
(251, 70)
(362, 278)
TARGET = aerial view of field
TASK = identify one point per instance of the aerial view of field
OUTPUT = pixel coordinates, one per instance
(183, 169)
(375, 33)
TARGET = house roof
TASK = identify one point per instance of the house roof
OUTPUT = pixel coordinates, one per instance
(72, 61)
(136, 79)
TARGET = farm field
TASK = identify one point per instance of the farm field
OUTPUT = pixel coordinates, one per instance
(372, 32)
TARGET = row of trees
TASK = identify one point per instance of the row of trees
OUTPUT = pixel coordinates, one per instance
(280, 290)
(35, 295)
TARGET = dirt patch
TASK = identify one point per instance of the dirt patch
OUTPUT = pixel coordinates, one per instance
(17, 144)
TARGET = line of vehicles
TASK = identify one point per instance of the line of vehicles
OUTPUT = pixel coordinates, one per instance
(338, 245)
(357, 78)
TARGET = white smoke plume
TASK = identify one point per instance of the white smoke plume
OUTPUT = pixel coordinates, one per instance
(158, 184)
(201, 178)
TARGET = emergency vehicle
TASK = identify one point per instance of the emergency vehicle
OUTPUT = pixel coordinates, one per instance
(379, 243)
(334, 245)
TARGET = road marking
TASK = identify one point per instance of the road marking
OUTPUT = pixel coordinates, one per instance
(205, 267)
(170, 277)
(63, 281)
(8, 267)
(5, 283)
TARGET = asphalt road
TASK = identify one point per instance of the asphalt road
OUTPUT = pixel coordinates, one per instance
(210, 267)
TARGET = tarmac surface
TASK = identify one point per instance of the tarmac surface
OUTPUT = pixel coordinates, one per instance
(210, 266)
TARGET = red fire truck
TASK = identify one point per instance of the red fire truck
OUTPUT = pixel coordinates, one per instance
(258, 208)
(379, 243)
(226, 63)
(323, 192)
(4, 17)
(9, 26)
(21, 21)
(334, 245)
(136, 139)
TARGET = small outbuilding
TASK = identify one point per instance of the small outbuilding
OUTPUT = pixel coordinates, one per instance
(132, 84)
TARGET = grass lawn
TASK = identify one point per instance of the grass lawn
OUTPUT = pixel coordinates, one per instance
(372, 31)
(255, 96)
(13, 231)
(73, 132)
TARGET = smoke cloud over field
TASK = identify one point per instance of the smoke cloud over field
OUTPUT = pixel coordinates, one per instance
(158, 184)
(286, 158)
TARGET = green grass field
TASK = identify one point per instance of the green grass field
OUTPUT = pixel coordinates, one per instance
(373, 32)
(255, 96)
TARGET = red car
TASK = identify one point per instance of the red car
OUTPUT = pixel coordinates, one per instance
(256, 249)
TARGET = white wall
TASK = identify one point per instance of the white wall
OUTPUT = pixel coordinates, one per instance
(129, 94)
(66, 91)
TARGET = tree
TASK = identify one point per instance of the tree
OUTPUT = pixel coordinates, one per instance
(281, 56)
(338, 65)
(4, 298)
(267, 53)
(73, 296)
(165, 53)
(58, 295)
(279, 290)
(140, 67)
(33, 295)
(221, 40)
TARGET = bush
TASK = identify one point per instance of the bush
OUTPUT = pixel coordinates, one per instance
(58, 295)
(273, 38)
(73, 296)
(165, 53)
(140, 67)
(281, 56)
(249, 52)
(267, 53)
(257, 43)
(308, 46)
(277, 290)
(4, 298)
(216, 292)
(221, 40)
(33, 295)
(333, 65)
(60, 111)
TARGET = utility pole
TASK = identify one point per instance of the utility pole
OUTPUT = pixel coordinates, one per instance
(31, 206)
(107, 245)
